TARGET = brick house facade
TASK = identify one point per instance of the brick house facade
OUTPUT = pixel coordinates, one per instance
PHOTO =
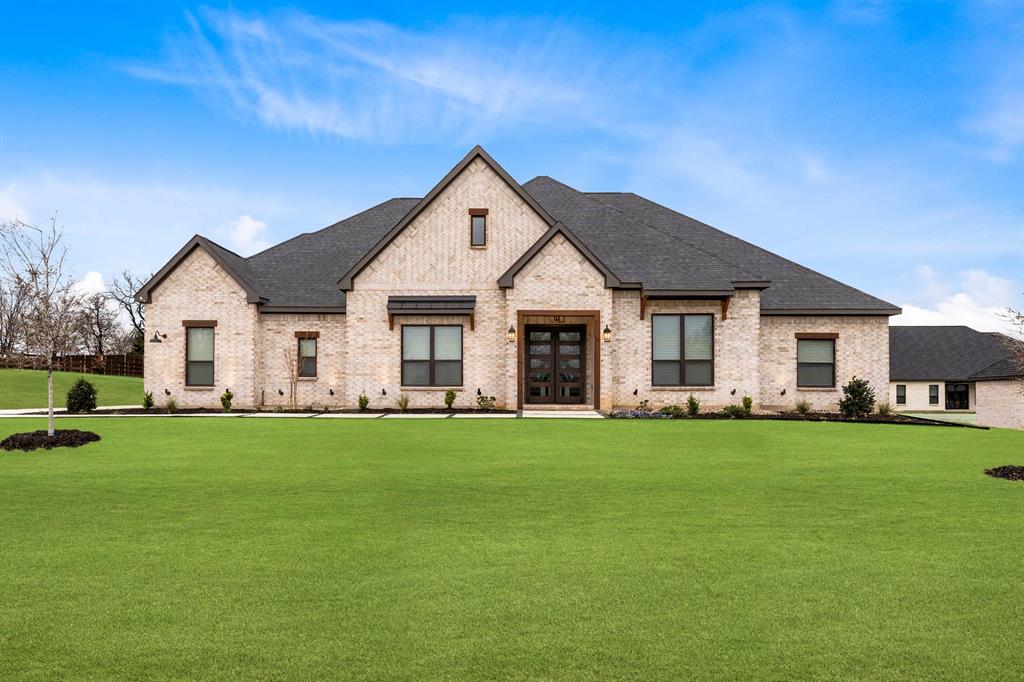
(536, 294)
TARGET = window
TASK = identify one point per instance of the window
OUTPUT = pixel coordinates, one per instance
(901, 394)
(431, 355)
(816, 363)
(199, 356)
(682, 350)
(307, 357)
(933, 394)
(958, 397)
(478, 227)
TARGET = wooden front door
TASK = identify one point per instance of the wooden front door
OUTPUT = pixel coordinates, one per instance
(555, 364)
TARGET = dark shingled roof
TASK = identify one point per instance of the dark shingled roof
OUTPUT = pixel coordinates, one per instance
(638, 243)
(946, 354)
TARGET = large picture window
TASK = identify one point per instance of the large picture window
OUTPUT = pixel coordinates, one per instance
(431, 355)
(683, 350)
(816, 363)
(199, 356)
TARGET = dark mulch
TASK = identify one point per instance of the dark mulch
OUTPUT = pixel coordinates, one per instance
(34, 440)
(1010, 472)
(808, 417)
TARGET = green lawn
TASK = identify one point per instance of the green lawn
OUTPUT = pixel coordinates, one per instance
(27, 388)
(461, 549)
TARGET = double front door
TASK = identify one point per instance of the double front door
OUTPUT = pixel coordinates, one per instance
(555, 364)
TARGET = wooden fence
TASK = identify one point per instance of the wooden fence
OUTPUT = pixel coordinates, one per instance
(129, 365)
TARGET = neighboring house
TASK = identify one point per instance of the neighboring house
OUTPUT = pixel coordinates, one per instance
(955, 369)
(537, 294)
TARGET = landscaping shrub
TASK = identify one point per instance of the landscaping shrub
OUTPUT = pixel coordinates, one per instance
(81, 397)
(673, 411)
(884, 409)
(449, 398)
(486, 402)
(644, 406)
(364, 402)
(402, 401)
(147, 400)
(803, 407)
(225, 400)
(692, 405)
(171, 406)
(748, 404)
(736, 411)
(858, 399)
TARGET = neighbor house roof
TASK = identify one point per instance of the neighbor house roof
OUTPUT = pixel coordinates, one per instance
(634, 242)
(948, 354)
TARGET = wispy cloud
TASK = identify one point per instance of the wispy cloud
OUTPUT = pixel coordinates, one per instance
(246, 235)
(979, 300)
(369, 80)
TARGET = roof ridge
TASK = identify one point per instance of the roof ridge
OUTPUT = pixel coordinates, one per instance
(759, 248)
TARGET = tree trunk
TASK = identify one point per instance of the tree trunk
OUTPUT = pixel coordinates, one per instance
(49, 400)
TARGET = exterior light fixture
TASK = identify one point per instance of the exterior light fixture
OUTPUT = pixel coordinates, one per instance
(167, 391)
(383, 391)
(511, 334)
(606, 334)
(157, 336)
(732, 392)
(783, 392)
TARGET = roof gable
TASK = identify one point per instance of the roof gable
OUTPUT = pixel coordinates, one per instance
(345, 282)
(236, 266)
(507, 280)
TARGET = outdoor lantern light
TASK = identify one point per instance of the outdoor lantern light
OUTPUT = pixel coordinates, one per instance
(607, 334)
(383, 391)
(511, 334)
(156, 337)
(167, 391)
(331, 391)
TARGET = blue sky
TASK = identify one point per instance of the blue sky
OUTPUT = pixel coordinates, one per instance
(882, 144)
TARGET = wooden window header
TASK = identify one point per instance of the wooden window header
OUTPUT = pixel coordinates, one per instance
(307, 335)
(199, 323)
(478, 211)
(817, 335)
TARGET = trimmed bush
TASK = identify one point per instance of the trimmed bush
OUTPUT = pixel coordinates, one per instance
(364, 402)
(673, 411)
(147, 400)
(858, 399)
(735, 411)
(486, 402)
(692, 405)
(225, 400)
(81, 397)
(748, 404)
(449, 398)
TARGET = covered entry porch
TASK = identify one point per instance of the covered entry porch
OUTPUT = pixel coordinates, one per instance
(559, 359)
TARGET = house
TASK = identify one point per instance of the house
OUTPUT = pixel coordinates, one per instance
(537, 294)
(956, 370)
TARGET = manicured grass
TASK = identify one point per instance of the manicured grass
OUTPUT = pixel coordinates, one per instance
(459, 549)
(27, 388)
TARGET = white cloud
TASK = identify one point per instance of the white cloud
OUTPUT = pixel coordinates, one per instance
(374, 81)
(10, 207)
(247, 236)
(91, 283)
(980, 302)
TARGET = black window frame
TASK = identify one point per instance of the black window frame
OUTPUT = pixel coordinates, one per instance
(474, 215)
(933, 394)
(211, 363)
(682, 350)
(831, 339)
(432, 362)
(301, 358)
(901, 394)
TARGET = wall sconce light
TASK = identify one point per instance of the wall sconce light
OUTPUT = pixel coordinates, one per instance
(479, 392)
(732, 392)
(783, 392)
(280, 392)
(606, 334)
(383, 391)
(511, 334)
(331, 391)
(167, 391)
(157, 336)
(636, 391)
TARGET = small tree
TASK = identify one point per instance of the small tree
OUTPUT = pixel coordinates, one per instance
(122, 292)
(858, 399)
(34, 258)
(291, 363)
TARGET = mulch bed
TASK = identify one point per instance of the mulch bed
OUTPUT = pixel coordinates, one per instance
(1010, 472)
(35, 440)
(816, 417)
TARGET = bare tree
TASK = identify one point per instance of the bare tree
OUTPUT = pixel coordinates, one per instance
(100, 327)
(1015, 339)
(34, 258)
(122, 291)
(12, 311)
(291, 362)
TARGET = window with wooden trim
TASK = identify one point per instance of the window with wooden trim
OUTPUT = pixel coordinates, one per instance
(816, 363)
(682, 350)
(199, 356)
(901, 394)
(933, 394)
(307, 357)
(478, 227)
(431, 355)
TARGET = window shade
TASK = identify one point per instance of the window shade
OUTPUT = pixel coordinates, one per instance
(415, 343)
(200, 344)
(815, 350)
(666, 337)
(698, 329)
(447, 343)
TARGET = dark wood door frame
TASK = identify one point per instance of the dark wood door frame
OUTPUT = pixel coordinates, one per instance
(593, 325)
(555, 358)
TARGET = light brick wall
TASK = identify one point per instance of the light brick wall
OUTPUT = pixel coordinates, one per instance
(917, 396)
(278, 349)
(735, 354)
(1001, 404)
(862, 350)
(198, 289)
